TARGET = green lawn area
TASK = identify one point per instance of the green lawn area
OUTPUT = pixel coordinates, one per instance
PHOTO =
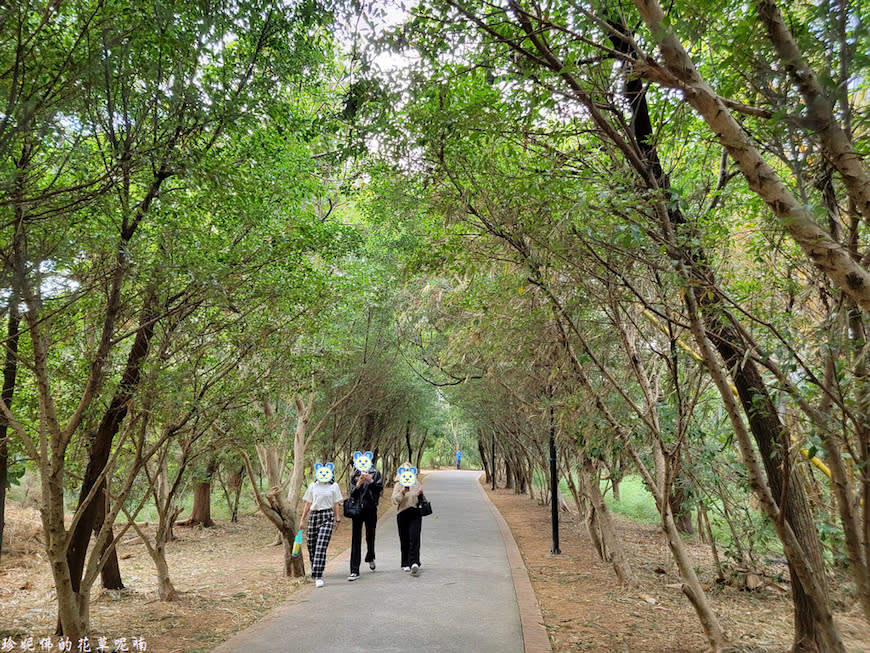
(634, 502)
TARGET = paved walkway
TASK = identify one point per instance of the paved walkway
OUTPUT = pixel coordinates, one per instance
(472, 594)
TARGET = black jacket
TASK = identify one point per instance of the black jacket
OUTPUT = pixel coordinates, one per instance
(369, 492)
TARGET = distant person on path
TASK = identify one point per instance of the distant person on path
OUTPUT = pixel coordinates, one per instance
(366, 484)
(406, 494)
(458, 459)
(323, 502)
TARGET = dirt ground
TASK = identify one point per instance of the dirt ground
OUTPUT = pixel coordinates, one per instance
(230, 575)
(584, 609)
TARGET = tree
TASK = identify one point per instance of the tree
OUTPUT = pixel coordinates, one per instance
(133, 97)
(562, 75)
(10, 372)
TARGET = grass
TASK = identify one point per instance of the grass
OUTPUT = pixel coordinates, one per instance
(635, 502)
(220, 511)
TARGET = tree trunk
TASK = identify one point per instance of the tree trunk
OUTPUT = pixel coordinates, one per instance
(482, 451)
(165, 589)
(706, 533)
(165, 521)
(813, 592)
(282, 510)
(294, 567)
(682, 513)
(111, 571)
(580, 500)
(850, 505)
(612, 549)
(10, 371)
(421, 449)
(368, 436)
(101, 443)
(271, 459)
(234, 484)
(167, 515)
(110, 574)
(201, 513)
(163, 496)
(691, 585)
(839, 150)
(784, 480)
(69, 619)
(4, 474)
(615, 480)
(593, 528)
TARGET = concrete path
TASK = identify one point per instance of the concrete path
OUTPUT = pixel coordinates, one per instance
(472, 593)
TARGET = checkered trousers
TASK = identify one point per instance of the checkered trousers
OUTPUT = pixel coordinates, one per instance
(321, 523)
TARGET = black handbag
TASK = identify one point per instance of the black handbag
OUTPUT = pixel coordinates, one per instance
(424, 505)
(352, 506)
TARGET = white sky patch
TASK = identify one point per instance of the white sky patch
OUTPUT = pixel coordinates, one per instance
(366, 27)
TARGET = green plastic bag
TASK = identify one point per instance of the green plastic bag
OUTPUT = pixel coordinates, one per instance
(297, 545)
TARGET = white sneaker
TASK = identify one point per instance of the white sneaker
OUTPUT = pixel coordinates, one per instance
(414, 569)
(318, 582)
(406, 569)
(353, 577)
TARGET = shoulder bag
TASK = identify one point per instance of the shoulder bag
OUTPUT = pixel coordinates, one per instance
(424, 505)
(352, 506)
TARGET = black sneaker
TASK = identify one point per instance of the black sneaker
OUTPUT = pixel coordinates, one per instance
(353, 577)
(372, 565)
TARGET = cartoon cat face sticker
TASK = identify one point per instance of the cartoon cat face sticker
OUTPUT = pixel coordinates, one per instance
(407, 476)
(322, 472)
(363, 461)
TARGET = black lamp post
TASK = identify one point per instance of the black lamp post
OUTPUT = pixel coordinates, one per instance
(554, 482)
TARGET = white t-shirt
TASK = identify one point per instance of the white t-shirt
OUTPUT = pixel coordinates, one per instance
(322, 495)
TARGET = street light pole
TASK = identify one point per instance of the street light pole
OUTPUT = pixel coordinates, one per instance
(554, 482)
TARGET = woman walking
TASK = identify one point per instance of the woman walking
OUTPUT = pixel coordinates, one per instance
(366, 486)
(322, 503)
(406, 495)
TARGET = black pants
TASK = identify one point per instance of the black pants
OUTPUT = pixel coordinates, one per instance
(370, 519)
(409, 522)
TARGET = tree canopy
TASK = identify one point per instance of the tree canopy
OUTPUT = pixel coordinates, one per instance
(287, 231)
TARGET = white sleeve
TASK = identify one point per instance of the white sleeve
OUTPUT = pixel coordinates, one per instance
(309, 494)
(336, 491)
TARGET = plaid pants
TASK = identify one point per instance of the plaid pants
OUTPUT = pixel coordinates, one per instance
(321, 523)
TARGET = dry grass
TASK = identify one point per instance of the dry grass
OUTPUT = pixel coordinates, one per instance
(228, 577)
(22, 535)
